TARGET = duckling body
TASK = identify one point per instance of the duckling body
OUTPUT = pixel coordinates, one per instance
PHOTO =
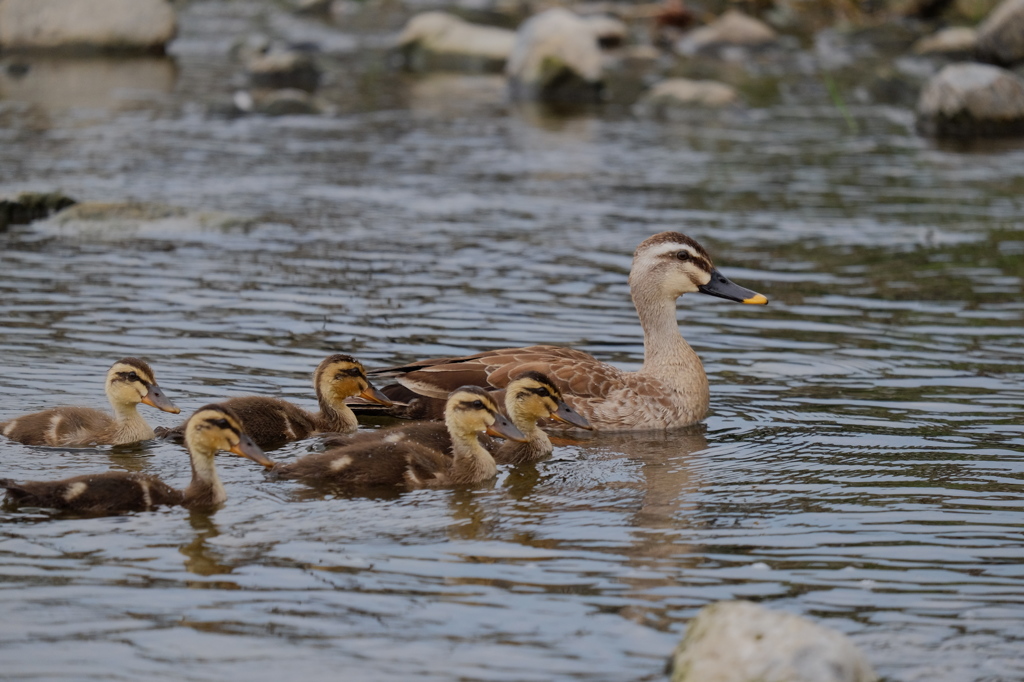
(272, 422)
(529, 398)
(670, 390)
(212, 428)
(384, 459)
(130, 381)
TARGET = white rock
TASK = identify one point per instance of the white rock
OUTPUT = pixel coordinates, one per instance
(556, 57)
(956, 40)
(734, 28)
(442, 41)
(969, 99)
(740, 641)
(682, 92)
(107, 25)
(1001, 35)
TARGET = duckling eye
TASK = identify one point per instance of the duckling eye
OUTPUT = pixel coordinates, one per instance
(477, 404)
(221, 423)
(543, 392)
(683, 256)
(132, 376)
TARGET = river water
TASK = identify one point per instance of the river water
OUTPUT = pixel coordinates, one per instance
(861, 464)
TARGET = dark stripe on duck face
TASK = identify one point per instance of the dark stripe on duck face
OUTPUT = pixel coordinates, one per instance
(348, 373)
(140, 366)
(131, 377)
(222, 423)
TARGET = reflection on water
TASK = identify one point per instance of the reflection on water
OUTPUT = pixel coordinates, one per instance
(862, 463)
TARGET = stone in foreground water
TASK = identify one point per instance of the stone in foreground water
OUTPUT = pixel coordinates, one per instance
(100, 25)
(966, 100)
(739, 641)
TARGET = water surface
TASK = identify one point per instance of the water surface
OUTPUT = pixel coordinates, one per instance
(861, 464)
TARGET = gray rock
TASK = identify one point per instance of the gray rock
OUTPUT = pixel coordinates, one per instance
(732, 29)
(438, 41)
(556, 58)
(958, 41)
(966, 100)
(29, 206)
(739, 641)
(1001, 35)
(283, 69)
(86, 25)
(104, 221)
(676, 93)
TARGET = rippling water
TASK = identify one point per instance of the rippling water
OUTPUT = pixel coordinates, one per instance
(862, 462)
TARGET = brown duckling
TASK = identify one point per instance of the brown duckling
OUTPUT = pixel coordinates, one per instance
(386, 459)
(130, 381)
(529, 398)
(209, 430)
(272, 422)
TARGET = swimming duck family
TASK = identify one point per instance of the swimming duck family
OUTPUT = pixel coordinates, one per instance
(535, 384)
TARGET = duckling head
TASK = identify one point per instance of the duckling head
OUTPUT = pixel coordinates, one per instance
(670, 264)
(131, 381)
(341, 376)
(471, 410)
(216, 427)
(532, 395)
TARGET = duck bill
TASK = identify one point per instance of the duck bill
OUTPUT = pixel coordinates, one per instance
(246, 448)
(503, 428)
(721, 286)
(567, 415)
(156, 398)
(373, 395)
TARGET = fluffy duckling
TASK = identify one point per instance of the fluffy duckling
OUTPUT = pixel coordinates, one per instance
(130, 381)
(383, 459)
(211, 429)
(530, 397)
(272, 422)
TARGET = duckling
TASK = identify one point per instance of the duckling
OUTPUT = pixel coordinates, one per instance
(383, 459)
(529, 398)
(670, 390)
(130, 381)
(210, 429)
(272, 422)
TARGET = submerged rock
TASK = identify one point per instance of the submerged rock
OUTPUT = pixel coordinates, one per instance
(283, 69)
(1001, 35)
(556, 58)
(966, 100)
(29, 206)
(438, 41)
(681, 93)
(959, 41)
(86, 25)
(102, 221)
(732, 29)
(739, 641)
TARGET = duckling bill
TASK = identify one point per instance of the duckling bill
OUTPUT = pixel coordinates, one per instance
(211, 429)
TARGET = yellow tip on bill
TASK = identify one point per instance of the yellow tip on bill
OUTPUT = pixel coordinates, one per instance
(757, 299)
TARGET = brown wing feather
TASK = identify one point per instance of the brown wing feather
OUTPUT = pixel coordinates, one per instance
(580, 376)
(368, 463)
(270, 422)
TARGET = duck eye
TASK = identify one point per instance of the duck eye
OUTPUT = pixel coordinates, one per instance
(221, 423)
(132, 376)
(683, 255)
(543, 392)
(478, 404)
